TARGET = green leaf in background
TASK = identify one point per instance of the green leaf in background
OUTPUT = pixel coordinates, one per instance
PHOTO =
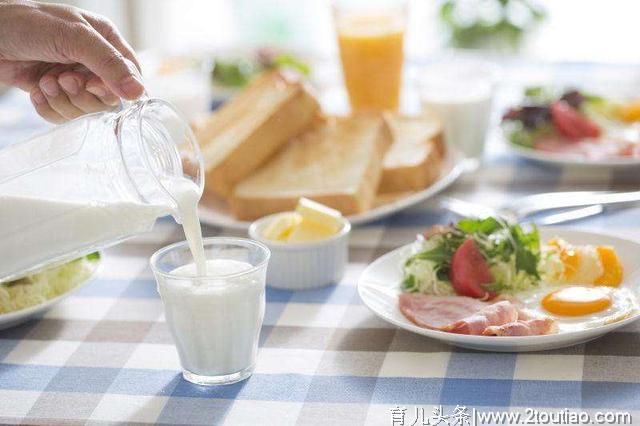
(485, 226)
(487, 23)
(290, 61)
(232, 73)
(95, 256)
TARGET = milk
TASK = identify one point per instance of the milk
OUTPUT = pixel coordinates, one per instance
(215, 322)
(214, 318)
(465, 116)
(39, 227)
(56, 228)
(186, 195)
(460, 92)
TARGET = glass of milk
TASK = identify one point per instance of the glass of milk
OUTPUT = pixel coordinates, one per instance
(215, 319)
(460, 93)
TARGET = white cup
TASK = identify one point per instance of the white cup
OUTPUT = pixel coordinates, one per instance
(460, 93)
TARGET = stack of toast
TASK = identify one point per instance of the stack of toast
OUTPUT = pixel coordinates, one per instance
(270, 145)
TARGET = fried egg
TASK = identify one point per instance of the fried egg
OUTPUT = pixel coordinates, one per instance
(580, 307)
(597, 265)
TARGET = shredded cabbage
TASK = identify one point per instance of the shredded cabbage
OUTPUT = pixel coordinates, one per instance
(46, 285)
(512, 253)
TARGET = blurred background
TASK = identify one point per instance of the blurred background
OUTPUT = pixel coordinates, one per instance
(180, 42)
(567, 30)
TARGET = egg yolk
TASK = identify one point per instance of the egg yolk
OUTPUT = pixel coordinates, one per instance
(576, 300)
(613, 271)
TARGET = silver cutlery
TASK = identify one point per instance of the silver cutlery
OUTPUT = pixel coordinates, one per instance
(581, 204)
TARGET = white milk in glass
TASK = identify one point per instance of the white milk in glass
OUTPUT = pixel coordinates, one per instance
(460, 94)
(215, 324)
(214, 314)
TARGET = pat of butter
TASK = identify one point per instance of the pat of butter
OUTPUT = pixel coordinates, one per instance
(281, 228)
(320, 214)
(309, 230)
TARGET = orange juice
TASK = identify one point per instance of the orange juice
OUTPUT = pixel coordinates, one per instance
(372, 56)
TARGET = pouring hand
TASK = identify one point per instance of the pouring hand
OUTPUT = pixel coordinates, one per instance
(70, 61)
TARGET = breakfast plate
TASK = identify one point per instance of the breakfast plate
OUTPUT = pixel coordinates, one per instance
(14, 318)
(379, 289)
(215, 212)
(570, 160)
(573, 127)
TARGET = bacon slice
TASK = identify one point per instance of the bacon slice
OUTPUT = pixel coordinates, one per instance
(467, 315)
(495, 314)
(531, 327)
(594, 149)
(437, 312)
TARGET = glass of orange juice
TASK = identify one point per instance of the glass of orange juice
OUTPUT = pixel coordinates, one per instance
(370, 38)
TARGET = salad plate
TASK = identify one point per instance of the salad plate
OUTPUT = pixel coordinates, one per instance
(59, 282)
(570, 160)
(573, 128)
(381, 284)
(216, 213)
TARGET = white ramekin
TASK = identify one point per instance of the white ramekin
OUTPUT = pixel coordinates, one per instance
(301, 266)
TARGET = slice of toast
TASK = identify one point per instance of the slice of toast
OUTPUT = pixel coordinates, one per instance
(415, 158)
(337, 163)
(249, 128)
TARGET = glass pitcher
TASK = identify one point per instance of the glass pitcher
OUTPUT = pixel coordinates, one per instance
(91, 183)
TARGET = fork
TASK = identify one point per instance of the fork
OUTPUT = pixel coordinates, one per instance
(588, 203)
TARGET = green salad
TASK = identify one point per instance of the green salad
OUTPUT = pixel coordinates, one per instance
(236, 73)
(500, 257)
(47, 284)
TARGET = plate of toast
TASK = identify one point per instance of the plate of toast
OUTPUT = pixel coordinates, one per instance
(270, 145)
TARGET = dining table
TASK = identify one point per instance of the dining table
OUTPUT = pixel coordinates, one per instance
(105, 355)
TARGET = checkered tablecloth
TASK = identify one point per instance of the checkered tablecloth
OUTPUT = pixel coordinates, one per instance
(105, 354)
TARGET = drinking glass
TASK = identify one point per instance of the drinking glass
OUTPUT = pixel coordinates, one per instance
(370, 38)
(215, 320)
(460, 93)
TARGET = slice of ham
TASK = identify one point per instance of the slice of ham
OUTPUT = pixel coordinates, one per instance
(530, 327)
(594, 149)
(467, 315)
(437, 312)
(496, 314)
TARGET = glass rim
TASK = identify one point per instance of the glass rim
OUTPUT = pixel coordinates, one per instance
(139, 111)
(193, 143)
(241, 242)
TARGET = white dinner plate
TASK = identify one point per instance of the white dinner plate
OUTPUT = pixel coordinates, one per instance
(569, 160)
(12, 319)
(379, 288)
(216, 213)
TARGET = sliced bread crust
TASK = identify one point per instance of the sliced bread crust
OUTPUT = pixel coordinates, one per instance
(414, 160)
(251, 127)
(337, 163)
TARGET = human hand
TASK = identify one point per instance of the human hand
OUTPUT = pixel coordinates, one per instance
(71, 61)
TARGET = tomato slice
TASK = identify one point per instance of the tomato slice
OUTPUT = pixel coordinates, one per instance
(571, 123)
(469, 271)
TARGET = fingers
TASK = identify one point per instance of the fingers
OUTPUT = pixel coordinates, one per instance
(73, 83)
(62, 95)
(109, 31)
(96, 87)
(42, 107)
(57, 98)
(99, 56)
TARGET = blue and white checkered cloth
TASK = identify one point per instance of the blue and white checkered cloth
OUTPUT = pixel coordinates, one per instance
(105, 354)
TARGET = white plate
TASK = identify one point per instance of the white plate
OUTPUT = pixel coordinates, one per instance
(216, 213)
(569, 160)
(379, 287)
(12, 319)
